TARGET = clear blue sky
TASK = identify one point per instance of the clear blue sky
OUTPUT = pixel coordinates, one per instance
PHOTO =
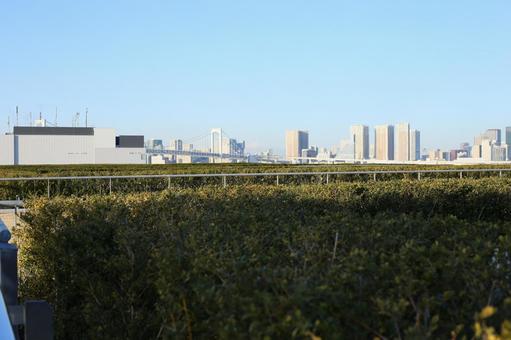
(256, 68)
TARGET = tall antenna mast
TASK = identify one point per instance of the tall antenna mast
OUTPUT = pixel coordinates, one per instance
(86, 115)
(55, 116)
(17, 115)
(30, 117)
(76, 120)
(8, 123)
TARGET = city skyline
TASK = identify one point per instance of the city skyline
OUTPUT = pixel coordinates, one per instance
(43, 142)
(399, 143)
(404, 142)
(170, 69)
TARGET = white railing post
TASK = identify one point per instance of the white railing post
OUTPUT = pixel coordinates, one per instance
(327, 179)
(48, 191)
(110, 185)
(277, 179)
(225, 181)
(461, 174)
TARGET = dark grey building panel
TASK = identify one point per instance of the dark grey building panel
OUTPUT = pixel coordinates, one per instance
(129, 141)
(59, 131)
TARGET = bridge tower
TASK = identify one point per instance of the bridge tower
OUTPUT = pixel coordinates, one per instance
(217, 137)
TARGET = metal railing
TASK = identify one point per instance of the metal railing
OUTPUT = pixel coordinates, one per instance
(372, 174)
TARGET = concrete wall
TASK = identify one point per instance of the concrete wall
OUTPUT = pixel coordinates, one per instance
(7, 150)
(120, 156)
(55, 149)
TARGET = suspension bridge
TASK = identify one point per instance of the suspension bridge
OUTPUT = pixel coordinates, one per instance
(214, 147)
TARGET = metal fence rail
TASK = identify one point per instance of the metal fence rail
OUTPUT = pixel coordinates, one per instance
(254, 174)
(278, 175)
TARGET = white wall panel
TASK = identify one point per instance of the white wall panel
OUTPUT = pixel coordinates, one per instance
(55, 149)
(7, 150)
(121, 156)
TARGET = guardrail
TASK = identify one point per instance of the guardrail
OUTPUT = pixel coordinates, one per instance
(278, 175)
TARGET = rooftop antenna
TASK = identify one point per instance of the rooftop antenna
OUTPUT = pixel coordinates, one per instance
(86, 115)
(40, 116)
(30, 118)
(17, 115)
(55, 116)
(76, 120)
(8, 123)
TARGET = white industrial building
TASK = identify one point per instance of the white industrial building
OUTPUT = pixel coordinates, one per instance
(37, 145)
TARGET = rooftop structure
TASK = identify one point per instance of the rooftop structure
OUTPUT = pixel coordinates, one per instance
(34, 145)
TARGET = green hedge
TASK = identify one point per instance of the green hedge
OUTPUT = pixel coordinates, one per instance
(413, 259)
(9, 190)
(137, 169)
(68, 187)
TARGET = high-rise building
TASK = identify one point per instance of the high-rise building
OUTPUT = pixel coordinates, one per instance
(360, 137)
(508, 142)
(232, 147)
(453, 154)
(491, 151)
(436, 155)
(493, 135)
(384, 142)
(402, 151)
(465, 147)
(311, 152)
(499, 152)
(346, 149)
(486, 149)
(508, 135)
(296, 141)
(477, 147)
(176, 144)
(462, 152)
(415, 145)
(484, 143)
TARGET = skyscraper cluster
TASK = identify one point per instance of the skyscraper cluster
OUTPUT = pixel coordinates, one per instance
(489, 146)
(400, 142)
